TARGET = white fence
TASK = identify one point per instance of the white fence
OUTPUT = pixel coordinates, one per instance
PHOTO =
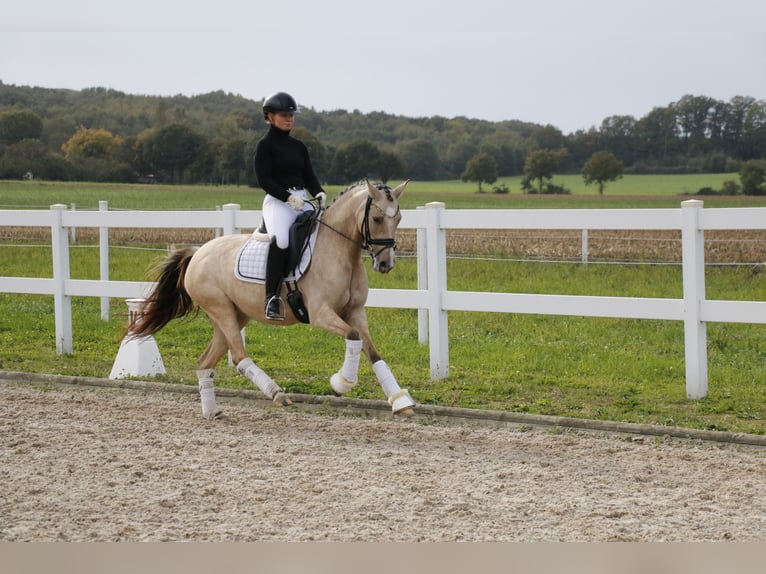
(432, 298)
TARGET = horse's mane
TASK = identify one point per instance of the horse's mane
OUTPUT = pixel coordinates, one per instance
(362, 183)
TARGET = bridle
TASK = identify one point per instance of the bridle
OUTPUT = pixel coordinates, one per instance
(389, 243)
(369, 241)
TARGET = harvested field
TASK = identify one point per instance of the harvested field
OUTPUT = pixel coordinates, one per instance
(743, 247)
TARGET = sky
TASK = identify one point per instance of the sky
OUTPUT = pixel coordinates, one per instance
(566, 63)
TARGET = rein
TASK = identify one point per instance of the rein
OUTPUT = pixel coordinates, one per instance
(369, 241)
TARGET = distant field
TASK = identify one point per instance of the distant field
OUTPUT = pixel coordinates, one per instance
(630, 192)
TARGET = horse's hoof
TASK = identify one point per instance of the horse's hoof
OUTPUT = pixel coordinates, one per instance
(401, 403)
(214, 415)
(340, 385)
(281, 400)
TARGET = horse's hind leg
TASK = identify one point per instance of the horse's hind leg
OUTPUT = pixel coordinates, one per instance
(229, 323)
(206, 373)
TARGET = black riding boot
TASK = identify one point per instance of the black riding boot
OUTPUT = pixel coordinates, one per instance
(275, 264)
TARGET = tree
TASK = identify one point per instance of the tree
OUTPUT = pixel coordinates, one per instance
(390, 166)
(601, 168)
(172, 148)
(356, 160)
(420, 158)
(232, 159)
(97, 155)
(92, 143)
(17, 125)
(752, 175)
(617, 134)
(480, 168)
(31, 156)
(540, 165)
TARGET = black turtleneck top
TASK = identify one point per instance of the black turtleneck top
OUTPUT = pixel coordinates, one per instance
(282, 162)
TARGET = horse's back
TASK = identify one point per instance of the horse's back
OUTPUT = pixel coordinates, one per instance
(214, 260)
(223, 247)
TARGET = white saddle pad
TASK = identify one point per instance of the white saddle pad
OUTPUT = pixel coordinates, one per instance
(250, 263)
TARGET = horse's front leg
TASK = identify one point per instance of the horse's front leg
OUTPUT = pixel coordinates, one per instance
(400, 400)
(357, 338)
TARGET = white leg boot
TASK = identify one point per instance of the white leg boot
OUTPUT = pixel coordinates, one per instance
(346, 379)
(210, 409)
(265, 383)
(399, 399)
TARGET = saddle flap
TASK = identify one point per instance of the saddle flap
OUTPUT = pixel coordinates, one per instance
(300, 231)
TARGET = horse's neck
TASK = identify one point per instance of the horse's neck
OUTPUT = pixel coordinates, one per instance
(342, 215)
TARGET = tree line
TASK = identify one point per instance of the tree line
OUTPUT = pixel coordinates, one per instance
(99, 134)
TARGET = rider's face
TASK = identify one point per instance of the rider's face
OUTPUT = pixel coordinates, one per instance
(282, 120)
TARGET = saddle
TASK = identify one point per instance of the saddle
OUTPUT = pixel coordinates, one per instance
(251, 260)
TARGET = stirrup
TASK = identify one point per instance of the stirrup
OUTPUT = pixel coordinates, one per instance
(275, 309)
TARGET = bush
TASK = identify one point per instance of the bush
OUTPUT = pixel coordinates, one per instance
(731, 187)
(753, 177)
(553, 189)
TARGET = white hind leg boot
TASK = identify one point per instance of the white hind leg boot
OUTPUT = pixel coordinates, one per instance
(398, 398)
(265, 383)
(345, 379)
(210, 409)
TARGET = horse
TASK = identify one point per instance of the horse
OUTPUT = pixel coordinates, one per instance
(334, 288)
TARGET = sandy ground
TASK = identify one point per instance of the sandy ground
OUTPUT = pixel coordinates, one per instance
(113, 465)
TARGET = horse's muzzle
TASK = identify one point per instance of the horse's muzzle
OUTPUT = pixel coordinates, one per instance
(383, 265)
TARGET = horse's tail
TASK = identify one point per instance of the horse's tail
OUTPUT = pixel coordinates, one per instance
(169, 299)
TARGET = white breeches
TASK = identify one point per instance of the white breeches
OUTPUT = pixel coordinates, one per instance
(279, 217)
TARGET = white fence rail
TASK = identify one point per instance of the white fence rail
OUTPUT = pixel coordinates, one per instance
(432, 298)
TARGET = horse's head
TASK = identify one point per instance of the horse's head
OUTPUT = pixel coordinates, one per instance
(378, 222)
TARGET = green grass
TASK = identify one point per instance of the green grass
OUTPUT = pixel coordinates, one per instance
(609, 369)
(632, 191)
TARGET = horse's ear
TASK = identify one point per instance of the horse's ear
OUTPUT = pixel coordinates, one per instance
(400, 188)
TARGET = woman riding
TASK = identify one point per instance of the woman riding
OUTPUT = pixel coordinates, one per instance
(285, 173)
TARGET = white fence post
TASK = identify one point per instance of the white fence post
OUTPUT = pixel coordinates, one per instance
(584, 247)
(422, 262)
(62, 303)
(103, 250)
(229, 225)
(73, 229)
(436, 264)
(695, 331)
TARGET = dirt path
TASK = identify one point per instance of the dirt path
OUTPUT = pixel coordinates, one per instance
(106, 465)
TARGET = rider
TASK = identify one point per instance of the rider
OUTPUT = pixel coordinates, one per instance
(284, 172)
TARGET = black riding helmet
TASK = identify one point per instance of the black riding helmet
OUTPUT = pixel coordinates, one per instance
(279, 102)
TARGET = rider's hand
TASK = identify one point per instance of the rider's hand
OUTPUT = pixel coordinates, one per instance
(295, 201)
(322, 199)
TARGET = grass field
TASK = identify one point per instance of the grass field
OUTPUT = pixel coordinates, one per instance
(630, 192)
(610, 369)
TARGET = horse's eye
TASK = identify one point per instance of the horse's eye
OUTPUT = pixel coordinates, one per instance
(378, 220)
